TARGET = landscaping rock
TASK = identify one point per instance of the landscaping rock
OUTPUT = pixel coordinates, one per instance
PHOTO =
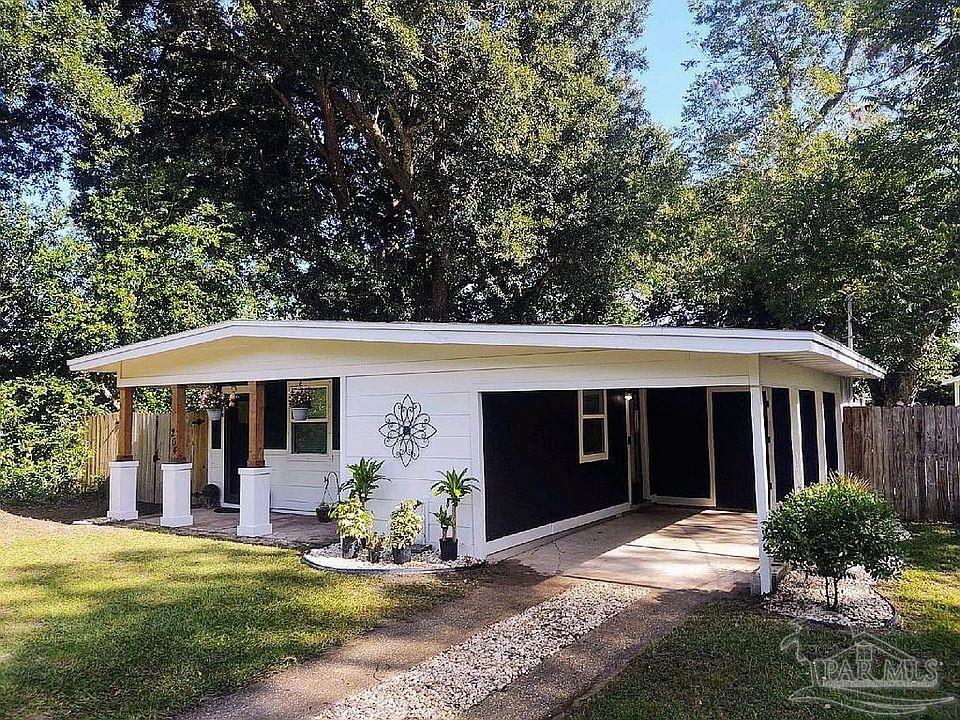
(455, 680)
(427, 561)
(801, 596)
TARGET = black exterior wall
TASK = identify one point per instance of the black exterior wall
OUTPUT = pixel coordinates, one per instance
(782, 441)
(830, 431)
(531, 454)
(733, 450)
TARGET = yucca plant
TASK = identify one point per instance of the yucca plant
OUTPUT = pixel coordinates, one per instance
(454, 487)
(365, 478)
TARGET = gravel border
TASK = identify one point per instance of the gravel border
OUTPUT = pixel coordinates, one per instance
(460, 677)
(801, 596)
(424, 563)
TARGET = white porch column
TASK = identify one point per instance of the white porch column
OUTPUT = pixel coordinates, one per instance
(254, 502)
(123, 490)
(796, 439)
(821, 437)
(176, 495)
(761, 483)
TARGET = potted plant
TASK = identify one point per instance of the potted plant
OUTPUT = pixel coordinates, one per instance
(455, 486)
(364, 478)
(355, 525)
(213, 401)
(375, 543)
(323, 507)
(300, 399)
(406, 524)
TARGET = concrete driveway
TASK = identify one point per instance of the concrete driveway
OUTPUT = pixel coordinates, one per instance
(657, 546)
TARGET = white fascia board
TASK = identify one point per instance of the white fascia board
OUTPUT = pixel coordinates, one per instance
(610, 337)
(951, 381)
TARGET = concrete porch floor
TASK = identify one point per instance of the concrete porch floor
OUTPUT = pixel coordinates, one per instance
(658, 546)
(295, 531)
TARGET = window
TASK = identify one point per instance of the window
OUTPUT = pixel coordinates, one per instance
(312, 436)
(593, 425)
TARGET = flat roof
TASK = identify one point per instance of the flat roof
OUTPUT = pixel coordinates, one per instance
(803, 347)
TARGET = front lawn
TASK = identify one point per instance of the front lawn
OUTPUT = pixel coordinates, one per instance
(725, 661)
(107, 623)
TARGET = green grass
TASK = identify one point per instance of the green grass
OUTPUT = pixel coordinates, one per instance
(98, 623)
(725, 661)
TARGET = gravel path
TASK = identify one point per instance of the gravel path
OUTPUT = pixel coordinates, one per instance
(462, 676)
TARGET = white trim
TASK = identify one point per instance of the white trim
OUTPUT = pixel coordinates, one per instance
(821, 436)
(644, 442)
(603, 415)
(691, 501)
(632, 450)
(479, 498)
(536, 533)
(761, 483)
(311, 457)
(798, 346)
(771, 445)
(838, 405)
(796, 438)
(342, 464)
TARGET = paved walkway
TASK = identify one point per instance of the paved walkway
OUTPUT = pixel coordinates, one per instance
(661, 547)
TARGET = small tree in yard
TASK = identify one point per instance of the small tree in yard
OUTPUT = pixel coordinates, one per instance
(828, 528)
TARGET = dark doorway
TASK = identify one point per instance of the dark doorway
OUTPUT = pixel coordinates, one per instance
(677, 438)
(782, 441)
(237, 444)
(733, 450)
(808, 437)
(830, 431)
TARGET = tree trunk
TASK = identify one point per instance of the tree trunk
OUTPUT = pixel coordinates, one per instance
(895, 389)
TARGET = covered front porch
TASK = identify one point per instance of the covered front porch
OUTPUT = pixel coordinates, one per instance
(291, 531)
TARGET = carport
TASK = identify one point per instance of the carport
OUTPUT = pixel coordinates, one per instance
(664, 547)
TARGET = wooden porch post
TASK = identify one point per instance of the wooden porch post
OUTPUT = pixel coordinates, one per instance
(125, 431)
(255, 453)
(178, 423)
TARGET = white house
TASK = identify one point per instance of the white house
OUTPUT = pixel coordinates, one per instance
(561, 425)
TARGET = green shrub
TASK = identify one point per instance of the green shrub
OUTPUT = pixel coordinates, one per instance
(406, 524)
(352, 519)
(828, 528)
(42, 437)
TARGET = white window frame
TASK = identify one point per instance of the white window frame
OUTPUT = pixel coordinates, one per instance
(594, 457)
(328, 384)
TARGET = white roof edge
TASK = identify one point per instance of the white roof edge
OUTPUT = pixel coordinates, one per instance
(580, 336)
(952, 380)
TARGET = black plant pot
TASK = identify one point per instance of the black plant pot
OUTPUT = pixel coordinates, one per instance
(323, 513)
(401, 556)
(374, 556)
(349, 547)
(448, 549)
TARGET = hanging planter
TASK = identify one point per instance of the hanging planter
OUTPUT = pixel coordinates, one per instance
(300, 399)
(213, 401)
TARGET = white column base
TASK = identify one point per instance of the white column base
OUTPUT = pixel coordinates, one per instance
(254, 502)
(123, 490)
(176, 495)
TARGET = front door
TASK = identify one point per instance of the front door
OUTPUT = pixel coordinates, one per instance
(236, 444)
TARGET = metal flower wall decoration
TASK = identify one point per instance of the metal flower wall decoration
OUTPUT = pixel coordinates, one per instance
(407, 430)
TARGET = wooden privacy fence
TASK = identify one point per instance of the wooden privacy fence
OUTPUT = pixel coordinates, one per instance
(151, 446)
(909, 455)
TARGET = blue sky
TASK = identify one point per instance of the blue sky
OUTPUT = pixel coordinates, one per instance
(667, 42)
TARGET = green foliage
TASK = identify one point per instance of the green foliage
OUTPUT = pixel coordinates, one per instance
(833, 526)
(353, 519)
(406, 524)
(454, 487)
(42, 437)
(365, 478)
(445, 520)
